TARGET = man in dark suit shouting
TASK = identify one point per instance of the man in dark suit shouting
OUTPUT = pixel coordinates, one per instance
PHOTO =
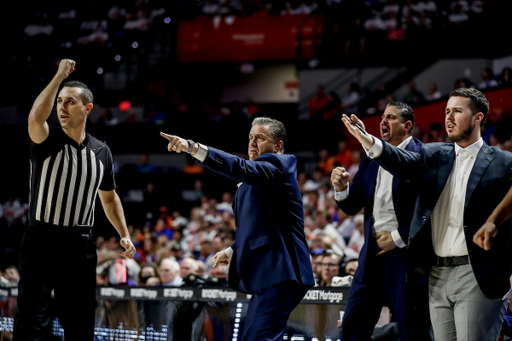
(270, 256)
(388, 204)
(460, 185)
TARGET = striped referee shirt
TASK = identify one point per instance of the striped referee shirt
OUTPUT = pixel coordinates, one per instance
(65, 178)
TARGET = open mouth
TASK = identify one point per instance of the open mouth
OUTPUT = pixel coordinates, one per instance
(385, 131)
(63, 117)
(450, 126)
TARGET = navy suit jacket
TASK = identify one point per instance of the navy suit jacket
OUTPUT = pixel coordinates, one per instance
(361, 195)
(489, 181)
(270, 246)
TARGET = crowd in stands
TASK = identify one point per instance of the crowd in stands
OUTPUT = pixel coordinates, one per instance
(327, 107)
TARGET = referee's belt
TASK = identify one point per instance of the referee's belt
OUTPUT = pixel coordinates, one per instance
(452, 261)
(77, 230)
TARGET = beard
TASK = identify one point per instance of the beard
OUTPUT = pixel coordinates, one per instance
(465, 134)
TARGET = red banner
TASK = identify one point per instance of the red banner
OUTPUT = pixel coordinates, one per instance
(259, 37)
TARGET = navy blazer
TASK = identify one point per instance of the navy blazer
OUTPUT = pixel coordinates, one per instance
(489, 181)
(270, 245)
(361, 195)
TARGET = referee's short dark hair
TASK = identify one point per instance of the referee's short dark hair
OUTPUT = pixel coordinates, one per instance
(86, 94)
(405, 111)
(275, 128)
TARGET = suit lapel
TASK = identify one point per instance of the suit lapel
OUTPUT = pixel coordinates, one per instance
(483, 159)
(446, 159)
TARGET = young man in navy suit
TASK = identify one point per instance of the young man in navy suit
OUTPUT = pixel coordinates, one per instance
(460, 185)
(270, 256)
(388, 202)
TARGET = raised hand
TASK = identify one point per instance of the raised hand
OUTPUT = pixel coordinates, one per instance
(66, 67)
(339, 179)
(365, 139)
(176, 143)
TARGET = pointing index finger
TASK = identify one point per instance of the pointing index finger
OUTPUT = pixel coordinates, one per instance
(167, 136)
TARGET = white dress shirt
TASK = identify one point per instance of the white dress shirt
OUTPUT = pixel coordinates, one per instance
(383, 208)
(448, 216)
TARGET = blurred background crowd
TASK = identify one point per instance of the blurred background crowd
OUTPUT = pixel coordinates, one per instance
(179, 214)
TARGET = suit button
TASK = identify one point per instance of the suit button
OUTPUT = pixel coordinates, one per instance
(425, 218)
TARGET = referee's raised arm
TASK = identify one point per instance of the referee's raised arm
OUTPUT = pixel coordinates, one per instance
(41, 109)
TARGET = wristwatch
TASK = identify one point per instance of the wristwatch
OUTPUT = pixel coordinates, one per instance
(191, 144)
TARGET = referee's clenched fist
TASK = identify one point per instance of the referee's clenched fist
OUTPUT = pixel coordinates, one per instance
(339, 179)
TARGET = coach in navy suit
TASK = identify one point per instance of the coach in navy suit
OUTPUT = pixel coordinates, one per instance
(270, 256)
(388, 202)
(460, 185)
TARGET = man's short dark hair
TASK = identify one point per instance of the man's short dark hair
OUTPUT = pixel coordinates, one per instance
(276, 129)
(405, 111)
(86, 94)
(477, 101)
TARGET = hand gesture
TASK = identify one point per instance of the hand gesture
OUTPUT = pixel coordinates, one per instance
(66, 67)
(130, 250)
(339, 179)
(365, 139)
(220, 258)
(385, 242)
(484, 237)
(176, 143)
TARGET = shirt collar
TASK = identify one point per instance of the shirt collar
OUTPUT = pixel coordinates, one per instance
(472, 149)
(405, 143)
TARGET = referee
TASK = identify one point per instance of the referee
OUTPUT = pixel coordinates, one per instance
(58, 253)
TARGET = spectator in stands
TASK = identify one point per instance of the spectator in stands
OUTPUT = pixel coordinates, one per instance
(205, 253)
(351, 101)
(344, 155)
(176, 251)
(356, 241)
(147, 271)
(458, 18)
(354, 46)
(225, 204)
(316, 263)
(189, 266)
(162, 229)
(433, 92)
(333, 107)
(11, 276)
(346, 225)
(325, 162)
(488, 80)
(323, 225)
(145, 167)
(170, 273)
(505, 77)
(330, 268)
(192, 167)
(413, 96)
(354, 167)
(463, 83)
(351, 266)
(317, 104)
(150, 245)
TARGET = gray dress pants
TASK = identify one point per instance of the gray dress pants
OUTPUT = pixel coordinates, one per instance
(458, 308)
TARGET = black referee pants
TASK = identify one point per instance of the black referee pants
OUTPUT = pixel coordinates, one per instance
(58, 259)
